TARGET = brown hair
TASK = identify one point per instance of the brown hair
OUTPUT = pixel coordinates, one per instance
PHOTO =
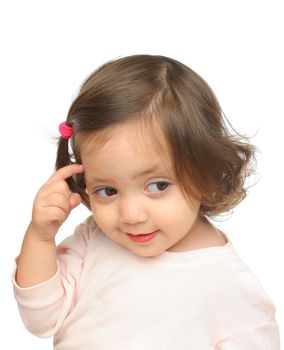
(208, 159)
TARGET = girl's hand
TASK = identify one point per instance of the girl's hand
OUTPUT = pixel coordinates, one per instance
(54, 202)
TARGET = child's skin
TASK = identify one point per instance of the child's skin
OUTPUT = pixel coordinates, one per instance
(52, 206)
(130, 191)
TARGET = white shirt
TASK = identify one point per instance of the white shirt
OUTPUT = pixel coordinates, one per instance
(105, 297)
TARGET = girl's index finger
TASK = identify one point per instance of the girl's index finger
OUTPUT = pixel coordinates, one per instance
(65, 172)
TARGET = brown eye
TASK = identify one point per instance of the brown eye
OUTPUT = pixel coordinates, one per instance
(106, 192)
(158, 186)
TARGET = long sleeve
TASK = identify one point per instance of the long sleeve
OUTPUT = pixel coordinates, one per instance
(105, 297)
(262, 337)
(45, 306)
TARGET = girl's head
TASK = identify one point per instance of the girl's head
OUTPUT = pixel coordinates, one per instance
(173, 113)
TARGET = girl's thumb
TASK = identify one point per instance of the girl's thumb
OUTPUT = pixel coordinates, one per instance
(75, 200)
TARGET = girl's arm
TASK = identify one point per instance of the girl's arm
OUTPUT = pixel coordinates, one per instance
(53, 203)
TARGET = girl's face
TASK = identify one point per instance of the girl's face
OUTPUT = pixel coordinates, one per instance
(134, 197)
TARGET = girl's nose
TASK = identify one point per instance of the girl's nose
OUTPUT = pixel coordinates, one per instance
(132, 211)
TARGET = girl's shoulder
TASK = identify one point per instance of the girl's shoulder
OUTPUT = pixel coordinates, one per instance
(89, 223)
(82, 235)
(88, 229)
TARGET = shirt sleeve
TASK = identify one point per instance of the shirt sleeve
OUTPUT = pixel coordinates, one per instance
(45, 306)
(261, 337)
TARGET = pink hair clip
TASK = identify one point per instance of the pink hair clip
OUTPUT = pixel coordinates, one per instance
(66, 131)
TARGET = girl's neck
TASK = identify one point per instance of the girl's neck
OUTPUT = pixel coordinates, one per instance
(202, 235)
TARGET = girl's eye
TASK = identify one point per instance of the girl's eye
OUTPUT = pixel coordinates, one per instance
(106, 192)
(158, 186)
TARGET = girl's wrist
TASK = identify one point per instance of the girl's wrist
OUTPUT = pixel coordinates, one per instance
(37, 235)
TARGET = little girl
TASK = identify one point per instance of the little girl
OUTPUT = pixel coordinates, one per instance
(145, 147)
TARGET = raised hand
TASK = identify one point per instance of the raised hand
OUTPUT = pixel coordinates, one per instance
(54, 202)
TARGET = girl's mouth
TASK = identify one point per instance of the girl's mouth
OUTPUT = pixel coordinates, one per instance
(142, 238)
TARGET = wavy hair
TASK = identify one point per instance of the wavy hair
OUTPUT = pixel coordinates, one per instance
(210, 161)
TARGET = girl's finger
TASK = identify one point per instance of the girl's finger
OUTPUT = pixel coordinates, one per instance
(75, 200)
(55, 186)
(65, 172)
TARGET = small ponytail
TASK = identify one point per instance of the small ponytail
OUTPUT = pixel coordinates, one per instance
(63, 157)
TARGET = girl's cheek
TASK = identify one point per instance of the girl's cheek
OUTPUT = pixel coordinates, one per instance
(103, 214)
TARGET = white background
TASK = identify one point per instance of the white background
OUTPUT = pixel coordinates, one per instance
(49, 47)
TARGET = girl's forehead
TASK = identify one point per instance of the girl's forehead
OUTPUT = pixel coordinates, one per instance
(144, 141)
(143, 138)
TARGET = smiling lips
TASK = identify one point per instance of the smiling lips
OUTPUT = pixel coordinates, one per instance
(142, 238)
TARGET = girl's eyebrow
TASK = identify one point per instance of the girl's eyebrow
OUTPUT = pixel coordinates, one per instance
(155, 169)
